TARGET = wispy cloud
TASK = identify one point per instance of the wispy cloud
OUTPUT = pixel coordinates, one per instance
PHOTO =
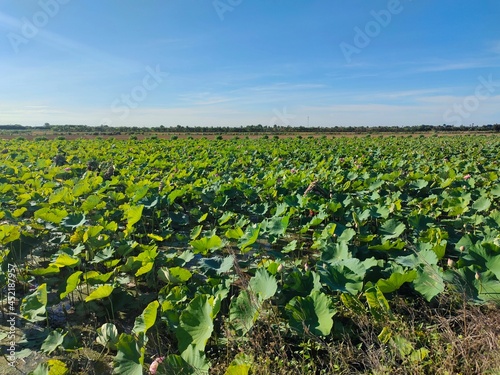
(465, 65)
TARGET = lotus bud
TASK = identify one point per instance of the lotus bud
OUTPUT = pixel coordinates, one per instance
(306, 267)
(154, 366)
(451, 262)
(477, 276)
(462, 248)
(280, 267)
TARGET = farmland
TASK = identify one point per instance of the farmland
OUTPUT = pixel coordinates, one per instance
(252, 256)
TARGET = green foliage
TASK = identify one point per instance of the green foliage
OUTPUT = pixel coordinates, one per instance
(312, 314)
(34, 306)
(298, 230)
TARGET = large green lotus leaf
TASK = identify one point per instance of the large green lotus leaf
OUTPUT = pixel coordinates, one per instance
(133, 214)
(74, 220)
(420, 222)
(51, 367)
(391, 229)
(318, 219)
(51, 215)
(235, 233)
(226, 216)
(346, 235)
(418, 184)
(240, 365)
(388, 245)
(311, 314)
(174, 195)
(102, 292)
(263, 284)
(196, 359)
(65, 260)
(51, 269)
(94, 277)
(196, 323)
(379, 211)
(377, 303)
(238, 369)
(103, 255)
(340, 278)
(129, 358)
(34, 306)
(353, 303)
(429, 281)
(9, 233)
(494, 218)
(53, 341)
(488, 287)
(395, 281)
(335, 252)
(205, 244)
(482, 204)
(493, 265)
(138, 192)
(496, 191)
(195, 232)
(175, 364)
(147, 319)
(248, 239)
(91, 202)
(59, 195)
(290, 247)
(81, 188)
(145, 268)
(243, 312)
(218, 264)
(302, 283)
(425, 257)
(276, 226)
(71, 283)
(174, 275)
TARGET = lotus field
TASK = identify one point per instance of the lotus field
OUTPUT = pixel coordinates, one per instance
(182, 256)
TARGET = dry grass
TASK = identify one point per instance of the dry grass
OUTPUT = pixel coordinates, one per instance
(456, 337)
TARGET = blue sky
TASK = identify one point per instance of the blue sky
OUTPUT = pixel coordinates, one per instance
(241, 62)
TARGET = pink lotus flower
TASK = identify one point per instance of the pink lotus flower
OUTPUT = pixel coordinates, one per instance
(153, 367)
(467, 176)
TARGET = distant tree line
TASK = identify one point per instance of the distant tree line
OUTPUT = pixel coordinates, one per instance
(249, 129)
